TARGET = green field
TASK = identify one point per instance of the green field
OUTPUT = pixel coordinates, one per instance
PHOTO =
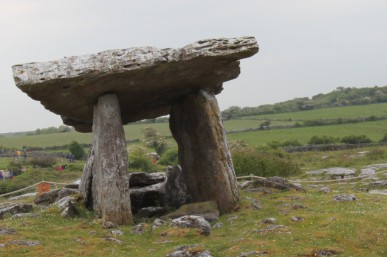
(373, 129)
(345, 112)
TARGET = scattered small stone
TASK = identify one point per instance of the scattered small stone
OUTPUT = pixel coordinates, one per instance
(195, 250)
(78, 239)
(272, 182)
(378, 183)
(325, 190)
(259, 189)
(253, 253)
(14, 209)
(378, 192)
(218, 225)
(344, 197)
(269, 221)
(25, 243)
(362, 189)
(7, 231)
(367, 172)
(295, 218)
(313, 186)
(208, 210)
(192, 221)
(2, 245)
(158, 223)
(109, 224)
(66, 201)
(150, 212)
(140, 228)
(70, 211)
(254, 202)
(321, 253)
(298, 206)
(112, 239)
(269, 228)
(25, 215)
(233, 218)
(117, 232)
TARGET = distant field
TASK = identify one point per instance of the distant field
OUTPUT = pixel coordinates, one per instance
(345, 112)
(374, 130)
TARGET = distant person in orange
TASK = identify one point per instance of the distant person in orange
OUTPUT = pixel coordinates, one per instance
(18, 153)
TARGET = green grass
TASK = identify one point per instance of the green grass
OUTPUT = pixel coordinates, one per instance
(356, 228)
(344, 112)
(375, 130)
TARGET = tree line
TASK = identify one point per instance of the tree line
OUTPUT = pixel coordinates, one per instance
(342, 96)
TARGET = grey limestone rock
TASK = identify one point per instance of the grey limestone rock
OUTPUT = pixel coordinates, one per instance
(208, 210)
(47, 198)
(344, 197)
(269, 221)
(14, 209)
(70, 86)
(192, 221)
(195, 250)
(7, 231)
(139, 229)
(142, 179)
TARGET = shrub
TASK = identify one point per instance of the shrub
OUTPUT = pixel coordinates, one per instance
(322, 140)
(294, 142)
(259, 163)
(376, 153)
(15, 167)
(363, 139)
(384, 139)
(139, 159)
(76, 149)
(43, 161)
(154, 140)
(170, 157)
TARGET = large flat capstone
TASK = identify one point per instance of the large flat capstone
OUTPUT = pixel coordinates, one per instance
(146, 80)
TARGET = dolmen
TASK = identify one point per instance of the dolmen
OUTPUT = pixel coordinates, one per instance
(101, 92)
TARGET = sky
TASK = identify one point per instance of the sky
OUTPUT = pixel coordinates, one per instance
(307, 47)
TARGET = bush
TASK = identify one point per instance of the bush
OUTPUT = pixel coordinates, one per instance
(363, 139)
(15, 167)
(43, 161)
(376, 153)
(76, 149)
(322, 140)
(170, 157)
(153, 140)
(139, 159)
(265, 164)
(384, 139)
(294, 142)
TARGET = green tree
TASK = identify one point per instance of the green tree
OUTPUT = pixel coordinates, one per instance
(154, 140)
(76, 149)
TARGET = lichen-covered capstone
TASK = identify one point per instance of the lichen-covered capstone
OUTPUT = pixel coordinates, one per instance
(146, 80)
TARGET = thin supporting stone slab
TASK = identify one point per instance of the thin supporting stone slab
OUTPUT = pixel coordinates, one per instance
(204, 154)
(110, 185)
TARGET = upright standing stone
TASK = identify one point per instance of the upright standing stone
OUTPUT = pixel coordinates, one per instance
(204, 155)
(110, 189)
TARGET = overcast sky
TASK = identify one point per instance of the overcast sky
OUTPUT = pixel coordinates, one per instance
(306, 46)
